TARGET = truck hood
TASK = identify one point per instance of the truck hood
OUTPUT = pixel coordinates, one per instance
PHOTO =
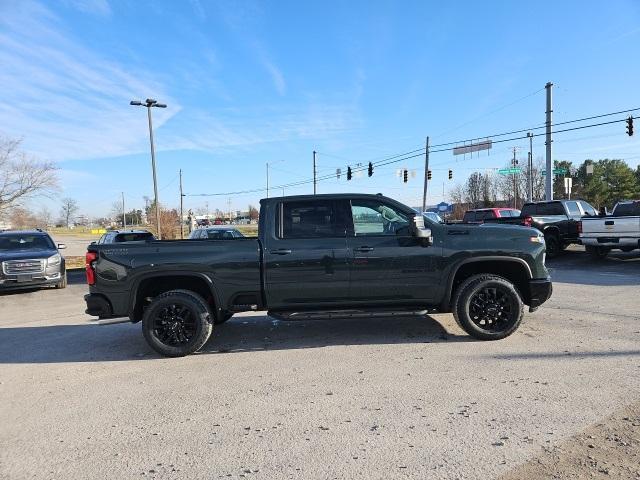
(25, 254)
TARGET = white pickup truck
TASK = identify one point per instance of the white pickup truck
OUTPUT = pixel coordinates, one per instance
(620, 230)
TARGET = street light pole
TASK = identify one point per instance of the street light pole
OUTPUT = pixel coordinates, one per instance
(149, 103)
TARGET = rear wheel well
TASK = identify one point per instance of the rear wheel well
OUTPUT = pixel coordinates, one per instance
(515, 272)
(152, 287)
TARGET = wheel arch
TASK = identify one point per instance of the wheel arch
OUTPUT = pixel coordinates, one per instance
(514, 269)
(156, 283)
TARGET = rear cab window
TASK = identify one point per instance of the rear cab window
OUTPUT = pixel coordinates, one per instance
(311, 219)
(133, 237)
(630, 209)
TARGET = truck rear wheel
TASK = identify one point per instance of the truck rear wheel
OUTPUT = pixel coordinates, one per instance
(598, 253)
(177, 323)
(552, 243)
(488, 307)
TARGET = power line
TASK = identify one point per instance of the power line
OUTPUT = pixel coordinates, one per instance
(419, 152)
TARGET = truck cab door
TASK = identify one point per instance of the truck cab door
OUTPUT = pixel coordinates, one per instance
(305, 256)
(390, 265)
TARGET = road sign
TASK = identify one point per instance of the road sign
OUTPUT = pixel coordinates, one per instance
(472, 147)
(556, 171)
(510, 171)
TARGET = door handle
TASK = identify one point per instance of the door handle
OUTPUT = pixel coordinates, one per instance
(281, 251)
(363, 249)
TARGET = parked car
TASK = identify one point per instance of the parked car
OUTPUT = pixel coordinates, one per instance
(479, 215)
(118, 236)
(619, 231)
(433, 216)
(30, 259)
(558, 220)
(215, 233)
(340, 255)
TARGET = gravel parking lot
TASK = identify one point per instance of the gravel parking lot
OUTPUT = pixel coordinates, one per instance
(397, 398)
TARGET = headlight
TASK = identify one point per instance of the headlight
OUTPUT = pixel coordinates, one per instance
(537, 239)
(54, 260)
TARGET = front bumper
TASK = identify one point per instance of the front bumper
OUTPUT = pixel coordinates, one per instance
(539, 292)
(15, 282)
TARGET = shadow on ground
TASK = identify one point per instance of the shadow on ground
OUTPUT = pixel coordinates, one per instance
(94, 343)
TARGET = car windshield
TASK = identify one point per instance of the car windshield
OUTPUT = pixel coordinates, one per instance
(25, 242)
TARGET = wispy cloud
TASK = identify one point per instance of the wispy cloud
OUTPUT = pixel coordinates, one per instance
(276, 77)
(67, 101)
(94, 7)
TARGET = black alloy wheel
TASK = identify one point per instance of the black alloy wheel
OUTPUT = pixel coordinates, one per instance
(177, 323)
(488, 307)
(492, 308)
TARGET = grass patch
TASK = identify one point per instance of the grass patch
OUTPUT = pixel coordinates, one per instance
(74, 261)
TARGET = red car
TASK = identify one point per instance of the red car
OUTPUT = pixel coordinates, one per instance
(479, 215)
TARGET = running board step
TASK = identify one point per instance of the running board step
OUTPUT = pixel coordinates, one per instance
(326, 314)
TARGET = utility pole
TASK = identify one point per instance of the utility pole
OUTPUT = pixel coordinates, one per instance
(267, 179)
(314, 172)
(181, 217)
(548, 181)
(124, 215)
(530, 167)
(514, 162)
(229, 208)
(426, 175)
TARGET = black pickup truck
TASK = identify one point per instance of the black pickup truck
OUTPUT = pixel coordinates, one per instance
(343, 255)
(558, 220)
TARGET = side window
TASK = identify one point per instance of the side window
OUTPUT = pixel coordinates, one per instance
(469, 217)
(588, 209)
(311, 219)
(573, 209)
(551, 208)
(529, 210)
(374, 218)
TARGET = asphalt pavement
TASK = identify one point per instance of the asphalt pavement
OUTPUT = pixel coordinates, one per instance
(363, 398)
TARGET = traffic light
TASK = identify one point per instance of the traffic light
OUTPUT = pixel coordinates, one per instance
(450, 174)
(630, 126)
(428, 174)
(405, 175)
(349, 173)
(370, 170)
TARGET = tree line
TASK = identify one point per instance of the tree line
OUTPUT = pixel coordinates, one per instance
(602, 183)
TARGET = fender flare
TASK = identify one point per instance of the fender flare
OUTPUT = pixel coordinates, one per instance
(174, 273)
(492, 258)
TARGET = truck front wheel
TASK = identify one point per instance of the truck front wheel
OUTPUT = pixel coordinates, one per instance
(177, 323)
(488, 307)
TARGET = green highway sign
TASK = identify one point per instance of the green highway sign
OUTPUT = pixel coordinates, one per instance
(556, 171)
(508, 171)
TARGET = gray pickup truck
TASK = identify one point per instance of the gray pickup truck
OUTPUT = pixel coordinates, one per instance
(340, 255)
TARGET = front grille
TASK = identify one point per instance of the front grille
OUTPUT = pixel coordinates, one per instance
(20, 267)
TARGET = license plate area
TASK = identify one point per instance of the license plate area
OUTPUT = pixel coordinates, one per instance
(24, 278)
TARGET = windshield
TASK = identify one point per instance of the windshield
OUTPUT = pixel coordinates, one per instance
(25, 242)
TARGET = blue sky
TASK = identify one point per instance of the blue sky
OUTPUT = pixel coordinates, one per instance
(253, 82)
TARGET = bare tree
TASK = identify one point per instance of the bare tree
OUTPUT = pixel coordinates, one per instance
(68, 210)
(22, 176)
(44, 217)
(21, 218)
(253, 213)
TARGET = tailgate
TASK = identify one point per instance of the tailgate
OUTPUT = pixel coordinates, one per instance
(611, 226)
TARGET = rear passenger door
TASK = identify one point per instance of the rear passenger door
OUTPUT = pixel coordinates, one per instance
(306, 258)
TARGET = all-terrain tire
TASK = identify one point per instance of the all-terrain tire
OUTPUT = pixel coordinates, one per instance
(553, 245)
(63, 282)
(488, 307)
(598, 253)
(164, 313)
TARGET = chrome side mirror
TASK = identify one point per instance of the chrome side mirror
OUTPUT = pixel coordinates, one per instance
(420, 231)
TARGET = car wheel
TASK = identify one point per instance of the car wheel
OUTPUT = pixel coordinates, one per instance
(62, 283)
(223, 318)
(553, 245)
(599, 253)
(488, 307)
(177, 323)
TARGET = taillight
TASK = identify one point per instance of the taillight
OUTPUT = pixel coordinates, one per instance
(579, 227)
(528, 221)
(90, 257)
